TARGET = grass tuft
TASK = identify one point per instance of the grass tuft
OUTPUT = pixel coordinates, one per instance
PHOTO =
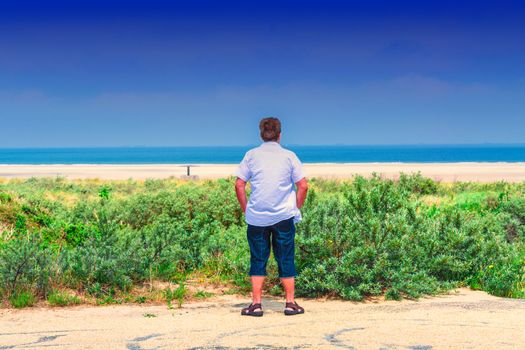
(22, 299)
(61, 298)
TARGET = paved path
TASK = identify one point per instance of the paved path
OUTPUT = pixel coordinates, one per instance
(465, 320)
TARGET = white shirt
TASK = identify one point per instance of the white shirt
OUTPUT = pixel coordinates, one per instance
(272, 172)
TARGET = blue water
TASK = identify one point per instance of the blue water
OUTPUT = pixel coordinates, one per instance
(224, 155)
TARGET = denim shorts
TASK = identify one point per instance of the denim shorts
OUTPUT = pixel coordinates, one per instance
(280, 237)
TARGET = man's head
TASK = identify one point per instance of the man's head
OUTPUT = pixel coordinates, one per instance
(270, 129)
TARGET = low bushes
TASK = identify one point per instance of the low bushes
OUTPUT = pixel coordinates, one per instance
(358, 238)
(374, 237)
(26, 266)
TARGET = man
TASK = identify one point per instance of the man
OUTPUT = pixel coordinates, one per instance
(271, 212)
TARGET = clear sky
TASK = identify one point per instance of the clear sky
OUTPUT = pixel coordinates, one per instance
(186, 73)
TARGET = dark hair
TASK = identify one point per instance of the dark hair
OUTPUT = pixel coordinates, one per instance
(270, 129)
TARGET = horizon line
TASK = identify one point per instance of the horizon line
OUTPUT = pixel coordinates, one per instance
(283, 144)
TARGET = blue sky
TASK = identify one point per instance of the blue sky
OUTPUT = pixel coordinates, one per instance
(161, 73)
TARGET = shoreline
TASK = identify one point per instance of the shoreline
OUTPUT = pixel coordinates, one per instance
(444, 172)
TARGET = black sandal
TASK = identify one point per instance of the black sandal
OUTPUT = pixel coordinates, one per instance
(296, 309)
(249, 311)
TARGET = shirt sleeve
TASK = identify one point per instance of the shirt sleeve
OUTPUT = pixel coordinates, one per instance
(243, 171)
(297, 169)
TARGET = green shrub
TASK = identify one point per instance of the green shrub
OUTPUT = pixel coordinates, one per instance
(22, 299)
(515, 221)
(227, 256)
(418, 184)
(5, 197)
(98, 266)
(202, 294)
(503, 276)
(25, 264)
(177, 294)
(140, 299)
(61, 298)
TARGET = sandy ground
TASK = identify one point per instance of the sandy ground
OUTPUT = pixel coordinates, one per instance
(464, 319)
(447, 172)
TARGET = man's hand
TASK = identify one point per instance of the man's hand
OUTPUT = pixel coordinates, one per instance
(302, 188)
(240, 190)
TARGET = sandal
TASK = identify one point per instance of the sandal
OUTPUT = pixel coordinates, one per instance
(296, 309)
(250, 310)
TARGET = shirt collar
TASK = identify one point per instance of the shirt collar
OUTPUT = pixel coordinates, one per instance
(270, 143)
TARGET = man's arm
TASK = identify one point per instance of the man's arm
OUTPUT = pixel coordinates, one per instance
(302, 188)
(240, 190)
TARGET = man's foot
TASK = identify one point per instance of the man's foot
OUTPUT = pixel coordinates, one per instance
(252, 310)
(292, 308)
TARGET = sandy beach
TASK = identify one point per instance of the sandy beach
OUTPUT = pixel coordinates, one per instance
(445, 172)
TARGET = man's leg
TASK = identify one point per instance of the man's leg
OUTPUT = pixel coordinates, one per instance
(283, 241)
(257, 285)
(259, 242)
(289, 288)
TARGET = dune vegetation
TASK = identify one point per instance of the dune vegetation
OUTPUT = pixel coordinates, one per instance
(66, 242)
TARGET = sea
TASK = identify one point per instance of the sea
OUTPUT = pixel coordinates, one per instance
(234, 154)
